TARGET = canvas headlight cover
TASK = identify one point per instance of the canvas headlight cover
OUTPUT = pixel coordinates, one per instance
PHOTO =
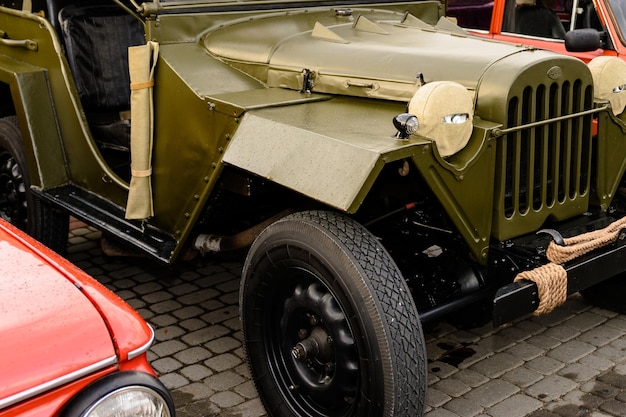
(445, 112)
(609, 79)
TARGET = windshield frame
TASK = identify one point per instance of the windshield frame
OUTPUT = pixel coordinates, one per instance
(617, 12)
(184, 6)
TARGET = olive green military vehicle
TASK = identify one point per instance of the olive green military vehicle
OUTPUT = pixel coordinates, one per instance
(383, 168)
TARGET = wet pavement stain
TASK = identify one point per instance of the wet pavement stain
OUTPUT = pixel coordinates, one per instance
(455, 355)
(606, 396)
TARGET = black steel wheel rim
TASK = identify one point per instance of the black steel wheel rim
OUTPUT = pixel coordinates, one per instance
(312, 352)
(13, 204)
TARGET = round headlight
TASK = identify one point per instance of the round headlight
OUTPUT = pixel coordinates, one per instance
(609, 81)
(445, 110)
(136, 401)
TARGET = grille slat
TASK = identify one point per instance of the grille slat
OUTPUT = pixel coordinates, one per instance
(548, 166)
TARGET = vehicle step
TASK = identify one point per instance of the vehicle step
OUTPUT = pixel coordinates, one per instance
(109, 218)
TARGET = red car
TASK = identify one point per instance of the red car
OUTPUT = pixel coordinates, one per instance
(582, 28)
(70, 347)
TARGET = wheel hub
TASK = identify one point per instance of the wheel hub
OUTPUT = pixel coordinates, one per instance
(325, 364)
(318, 346)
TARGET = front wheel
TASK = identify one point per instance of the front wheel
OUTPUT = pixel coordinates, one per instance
(18, 205)
(329, 325)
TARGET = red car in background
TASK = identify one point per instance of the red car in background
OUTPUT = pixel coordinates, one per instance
(582, 28)
(70, 347)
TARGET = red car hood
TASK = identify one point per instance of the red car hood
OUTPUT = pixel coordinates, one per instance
(51, 332)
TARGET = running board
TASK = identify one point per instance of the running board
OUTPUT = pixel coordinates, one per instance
(109, 218)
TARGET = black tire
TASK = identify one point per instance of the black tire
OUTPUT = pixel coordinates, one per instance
(329, 325)
(608, 294)
(18, 205)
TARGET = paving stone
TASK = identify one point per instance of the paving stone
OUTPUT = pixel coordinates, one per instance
(515, 334)
(173, 380)
(221, 315)
(223, 344)
(192, 324)
(619, 322)
(562, 333)
(163, 320)
(554, 318)
(227, 399)
(597, 362)
(168, 348)
(452, 387)
(585, 321)
(204, 335)
(611, 353)
(441, 412)
(614, 408)
(571, 351)
(470, 378)
(196, 390)
(600, 336)
(243, 370)
(583, 400)
(442, 369)
(496, 343)
(193, 355)
(529, 327)
(436, 398)
(246, 390)
(545, 365)
(551, 388)
(168, 333)
(198, 297)
(165, 306)
(224, 381)
(578, 372)
(522, 377)
(250, 408)
(464, 337)
(497, 365)
(492, 392)
(600, 389)
(166, 365)
(188, 312)
(525, 351)
(184, 288)
(614, 379)
(518, 405)
(544, 342)
(463, 408)
(620, 369)
(151, 287)
(223, 362)
(196, 372)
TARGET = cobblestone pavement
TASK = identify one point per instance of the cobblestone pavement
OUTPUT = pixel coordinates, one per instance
(569, 363)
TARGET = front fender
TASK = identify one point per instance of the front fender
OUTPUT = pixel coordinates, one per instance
(330, 150)
(333, 151)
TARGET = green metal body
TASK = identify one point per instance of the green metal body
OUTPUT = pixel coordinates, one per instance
(227, 94)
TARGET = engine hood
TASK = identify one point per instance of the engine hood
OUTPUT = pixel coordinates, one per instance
(368, 53)
(52, 333)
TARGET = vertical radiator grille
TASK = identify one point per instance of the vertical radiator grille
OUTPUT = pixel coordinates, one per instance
(545, 170)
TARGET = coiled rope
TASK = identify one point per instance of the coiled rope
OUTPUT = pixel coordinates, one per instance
(551, 278)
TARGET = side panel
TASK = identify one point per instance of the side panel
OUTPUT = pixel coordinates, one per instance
(33, 104)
